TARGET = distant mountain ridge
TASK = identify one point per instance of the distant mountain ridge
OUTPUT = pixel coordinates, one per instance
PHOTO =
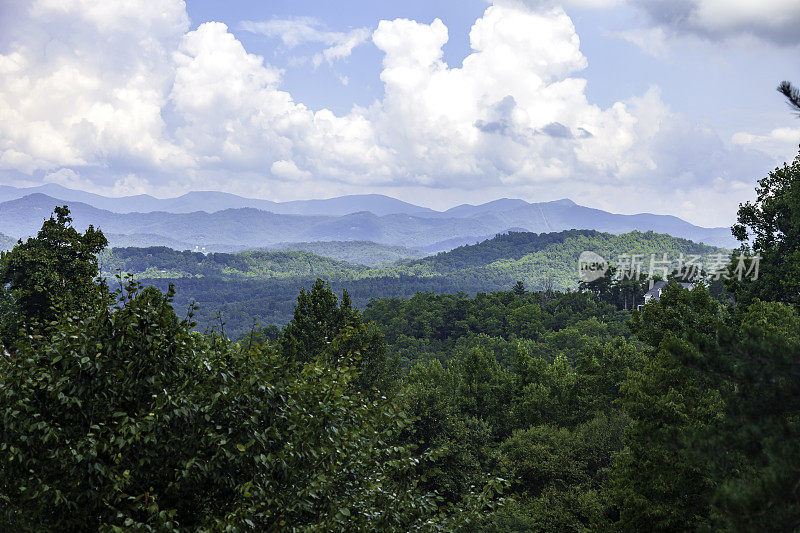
(214, 201)
(250, 227)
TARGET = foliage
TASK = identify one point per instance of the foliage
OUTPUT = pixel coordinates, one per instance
(791, 93)
(772, 223)
(437, 326)
(662, 481)
(322, 327)
(46, 275)
(761, 486)
(119, 416)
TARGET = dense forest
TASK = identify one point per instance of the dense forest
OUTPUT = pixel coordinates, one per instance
(262, 285)
(523, 409)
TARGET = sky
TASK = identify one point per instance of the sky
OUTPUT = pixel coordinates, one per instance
(662, 106)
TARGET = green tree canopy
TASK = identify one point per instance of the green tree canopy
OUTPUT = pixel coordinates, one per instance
(770, 227)
(50, 273)
(324, 327)
(123, 417)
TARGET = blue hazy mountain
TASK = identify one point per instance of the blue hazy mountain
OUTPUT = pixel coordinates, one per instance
(213, 201)
(250, 227)
(495, 206)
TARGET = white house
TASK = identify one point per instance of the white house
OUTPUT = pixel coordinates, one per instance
(657, 287)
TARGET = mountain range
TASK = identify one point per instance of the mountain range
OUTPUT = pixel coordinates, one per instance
(194, 220)
(213, 201)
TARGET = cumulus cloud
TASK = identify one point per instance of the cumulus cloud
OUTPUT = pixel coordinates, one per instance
(165, 109)
(64, 100)
(289, 171)
(303, 30)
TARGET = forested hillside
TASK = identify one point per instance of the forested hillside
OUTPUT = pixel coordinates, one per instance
(428, 326)
(262, 285)
(356, 252)
(534, 258)
(162, 262)
(512, 410)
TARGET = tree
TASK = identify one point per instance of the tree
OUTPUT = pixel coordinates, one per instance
(555, 476)
(602, 287)
(663, 481)
(791, 93)
(519, 288)
(49, 274)
(770, 227)
(324, 328)
(458, 441)
(318, 319)
(548, 285)
(759, 448)
(124, 417)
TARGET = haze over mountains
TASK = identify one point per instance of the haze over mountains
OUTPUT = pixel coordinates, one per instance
(213, 201)
(226, 222)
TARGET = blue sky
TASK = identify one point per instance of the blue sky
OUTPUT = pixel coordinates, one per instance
(624, 105)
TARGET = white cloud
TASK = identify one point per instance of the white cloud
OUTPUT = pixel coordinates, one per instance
(65, 100)
(298, 31)
(289, 171)
(779, 142)
(652, 41)
(777, 21)
(194, 109)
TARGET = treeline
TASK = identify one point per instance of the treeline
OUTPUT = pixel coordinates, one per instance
(355, 252)
(491, 264)
(163, 262)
